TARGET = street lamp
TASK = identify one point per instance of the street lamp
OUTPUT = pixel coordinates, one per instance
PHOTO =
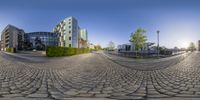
(158, 41)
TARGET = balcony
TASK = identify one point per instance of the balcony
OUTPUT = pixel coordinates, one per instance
(7, 39)
(6, 33)
(7, 36)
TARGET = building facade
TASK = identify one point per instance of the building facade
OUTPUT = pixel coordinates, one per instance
(68, 32)
(83, 38)
(91, 46)
(40, 40)
(126, 47)
(12, 37)
(83, 34)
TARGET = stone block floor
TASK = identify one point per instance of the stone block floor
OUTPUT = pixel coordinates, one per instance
(99, 76)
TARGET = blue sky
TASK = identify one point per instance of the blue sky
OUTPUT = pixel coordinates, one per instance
(110, 20)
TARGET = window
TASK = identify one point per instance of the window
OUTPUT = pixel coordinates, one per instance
(69, 45)
(69, 26)
(69, 31)
(70, 38)
(69, 22)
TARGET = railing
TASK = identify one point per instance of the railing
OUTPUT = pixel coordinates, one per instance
(145, 54)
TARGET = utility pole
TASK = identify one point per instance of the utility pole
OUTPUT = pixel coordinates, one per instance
(158, 41)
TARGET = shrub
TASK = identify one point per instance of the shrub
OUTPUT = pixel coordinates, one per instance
(12, 50)
(86, 50)
(69, 51)
(54, 51)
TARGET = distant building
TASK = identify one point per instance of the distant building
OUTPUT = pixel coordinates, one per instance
(83, 38)
(12, 37)
(126, 47)
(199, 45)
(68, 31)
(130, 47)
(40, 40)
(91, 46)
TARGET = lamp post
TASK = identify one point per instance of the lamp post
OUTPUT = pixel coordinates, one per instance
(158, 41)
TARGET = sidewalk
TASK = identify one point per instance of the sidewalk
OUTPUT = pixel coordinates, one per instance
(146, 64)
(148, 60)
(24, 57)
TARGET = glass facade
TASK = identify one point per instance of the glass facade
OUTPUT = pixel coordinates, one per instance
(83, 34)
(40, 40)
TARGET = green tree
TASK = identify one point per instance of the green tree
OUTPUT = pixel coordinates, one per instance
(191, 47)
(138, 38)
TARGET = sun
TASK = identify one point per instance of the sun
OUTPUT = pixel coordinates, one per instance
(184, 44)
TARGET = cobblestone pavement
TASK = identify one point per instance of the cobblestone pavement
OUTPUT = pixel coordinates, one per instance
(99, 76)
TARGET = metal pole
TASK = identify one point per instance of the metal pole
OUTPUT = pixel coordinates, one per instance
(158, 42)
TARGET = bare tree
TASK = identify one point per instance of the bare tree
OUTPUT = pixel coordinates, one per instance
(111, 45)
(192, 47)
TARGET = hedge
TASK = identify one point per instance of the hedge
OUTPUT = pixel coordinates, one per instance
(12, 50)
(55, 51)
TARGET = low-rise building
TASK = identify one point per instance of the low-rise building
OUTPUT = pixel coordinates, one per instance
(126, 47)
(12, 37)
(40, 40)
(91, 46)
(130, 47)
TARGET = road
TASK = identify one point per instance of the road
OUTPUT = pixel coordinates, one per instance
(99, 76)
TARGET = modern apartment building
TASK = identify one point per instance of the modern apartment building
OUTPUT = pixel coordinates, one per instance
(83, 38)
(12, 37)
(40, 40)
(68, 32)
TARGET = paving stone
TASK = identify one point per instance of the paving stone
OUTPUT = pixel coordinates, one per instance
(102, 95)
(38, 95)
(97, 76)
(71, 93)
(13, 95)
(85, 95)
